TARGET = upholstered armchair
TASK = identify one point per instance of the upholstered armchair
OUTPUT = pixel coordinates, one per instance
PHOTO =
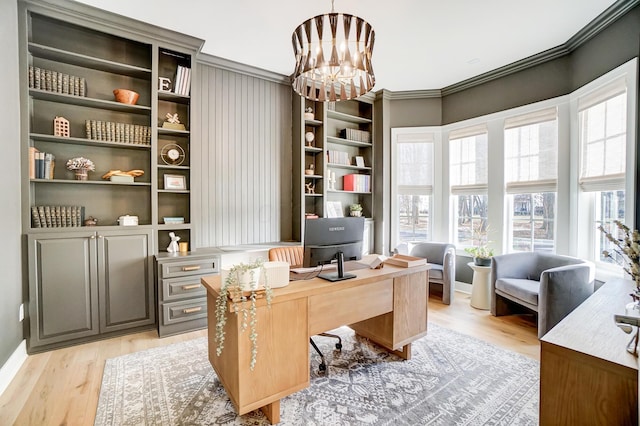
(442, 257)
(549, 284)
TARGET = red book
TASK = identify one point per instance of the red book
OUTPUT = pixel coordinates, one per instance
(349, 182)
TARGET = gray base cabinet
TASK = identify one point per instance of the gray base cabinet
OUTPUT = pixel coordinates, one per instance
(85, 285)
(182, 300)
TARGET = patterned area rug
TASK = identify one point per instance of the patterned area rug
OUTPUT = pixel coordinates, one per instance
(451, 379)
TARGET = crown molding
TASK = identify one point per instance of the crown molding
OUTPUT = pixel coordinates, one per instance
(229, 65)
(83, 14)
(410, 94)
(606, 18)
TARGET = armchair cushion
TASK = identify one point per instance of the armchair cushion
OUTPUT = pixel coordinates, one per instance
(436, 272)
(524, 290)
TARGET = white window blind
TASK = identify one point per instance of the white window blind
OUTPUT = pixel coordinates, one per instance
(531, 152)
(468, 150)
(415, 164)
(603, 138)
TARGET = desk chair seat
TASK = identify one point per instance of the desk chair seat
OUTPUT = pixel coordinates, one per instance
(294, 255)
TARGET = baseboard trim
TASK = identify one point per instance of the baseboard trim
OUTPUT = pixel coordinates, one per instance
(463, 287)
(10, 368)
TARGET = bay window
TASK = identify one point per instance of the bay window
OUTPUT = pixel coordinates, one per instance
(531, 171)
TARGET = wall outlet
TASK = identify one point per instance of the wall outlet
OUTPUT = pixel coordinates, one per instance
(21, 312)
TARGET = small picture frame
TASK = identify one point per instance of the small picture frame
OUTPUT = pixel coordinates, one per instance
(360, 161)
(175, 182)
(334, 209)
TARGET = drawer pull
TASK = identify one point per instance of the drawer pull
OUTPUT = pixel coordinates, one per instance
(190, 286)
(192, 310)
(191, 268)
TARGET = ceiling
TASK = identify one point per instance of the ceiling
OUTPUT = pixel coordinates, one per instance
(420, 44)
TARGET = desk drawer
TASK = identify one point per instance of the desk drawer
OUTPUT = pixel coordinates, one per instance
(176, 312)
(180, 288)
(205, 266)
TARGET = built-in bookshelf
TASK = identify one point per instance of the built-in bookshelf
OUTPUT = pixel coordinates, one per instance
(333, 158)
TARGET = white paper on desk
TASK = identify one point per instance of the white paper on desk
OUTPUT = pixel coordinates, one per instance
(327, 267)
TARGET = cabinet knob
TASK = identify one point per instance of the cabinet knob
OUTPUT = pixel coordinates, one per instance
(93, 237)
(192, 310)
(191, 268)
(100, 236)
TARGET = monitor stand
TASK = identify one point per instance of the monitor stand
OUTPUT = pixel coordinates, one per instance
(340, 275)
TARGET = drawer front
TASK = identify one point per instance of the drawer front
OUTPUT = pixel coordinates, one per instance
(177, 312)
(203, 266)
(180, 288)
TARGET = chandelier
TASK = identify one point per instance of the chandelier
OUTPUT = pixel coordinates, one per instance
(333, 57)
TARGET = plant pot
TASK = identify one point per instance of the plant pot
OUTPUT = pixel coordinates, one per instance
(482, 261)
(82, 174)
(249, 280)
(357, 213)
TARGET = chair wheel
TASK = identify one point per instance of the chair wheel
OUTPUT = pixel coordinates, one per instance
(338, 346)
(322, 367)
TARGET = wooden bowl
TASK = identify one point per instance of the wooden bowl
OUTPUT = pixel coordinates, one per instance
(126, 96)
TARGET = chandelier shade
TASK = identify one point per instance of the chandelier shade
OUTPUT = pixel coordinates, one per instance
(333, 57)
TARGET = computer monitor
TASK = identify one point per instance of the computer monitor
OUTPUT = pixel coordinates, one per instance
(329, 239)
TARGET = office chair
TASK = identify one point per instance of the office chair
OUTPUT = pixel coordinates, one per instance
(294, 255)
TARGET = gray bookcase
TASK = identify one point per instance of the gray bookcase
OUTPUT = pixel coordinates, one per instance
(341, 132)
(86, 282)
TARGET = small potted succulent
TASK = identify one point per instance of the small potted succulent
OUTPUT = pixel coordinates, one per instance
(242, 284)
(355, 210)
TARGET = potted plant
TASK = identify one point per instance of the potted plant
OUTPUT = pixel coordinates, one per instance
(242, 285)
(355, 210)
(80, 166)
(481, 255)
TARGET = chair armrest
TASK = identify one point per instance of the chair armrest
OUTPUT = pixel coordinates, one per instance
(449, 266)
(562, 289)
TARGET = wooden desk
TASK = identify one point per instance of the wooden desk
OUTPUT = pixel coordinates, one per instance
(586, 375)
(388, 306)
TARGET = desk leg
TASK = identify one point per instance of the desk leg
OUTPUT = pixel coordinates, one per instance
(405, 352)
(272, 411)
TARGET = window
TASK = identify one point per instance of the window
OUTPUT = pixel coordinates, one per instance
(468, 178)
(413, 180)
(531, 170)
(602, 122)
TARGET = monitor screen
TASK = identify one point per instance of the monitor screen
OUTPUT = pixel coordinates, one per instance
(329, 239)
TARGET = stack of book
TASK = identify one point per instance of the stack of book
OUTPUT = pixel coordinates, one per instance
(57, 216)
(109, 131)
(356, 135)
(183, 81)
(356, 183)
(53, 81)
(338, 157)
(177, 220)
(41, 164)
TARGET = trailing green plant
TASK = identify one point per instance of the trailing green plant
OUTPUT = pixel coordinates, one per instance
(243, 303)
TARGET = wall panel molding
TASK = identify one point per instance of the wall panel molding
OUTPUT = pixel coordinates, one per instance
(242, 132)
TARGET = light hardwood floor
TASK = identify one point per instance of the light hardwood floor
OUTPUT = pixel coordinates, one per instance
(61, 387)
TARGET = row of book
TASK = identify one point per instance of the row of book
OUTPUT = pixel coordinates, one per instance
(182, 85)
(357, 183)
(109, 131)
(338, 157)
(53, 81)
(41, 164)
(57, 216)
(356, 135)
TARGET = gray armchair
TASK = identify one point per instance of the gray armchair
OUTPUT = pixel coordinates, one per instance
(442, 258)
(549, 284)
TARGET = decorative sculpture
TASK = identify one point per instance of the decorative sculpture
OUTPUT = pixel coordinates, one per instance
(173, 245)
(311, 188)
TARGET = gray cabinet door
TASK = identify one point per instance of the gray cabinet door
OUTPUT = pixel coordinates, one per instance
(125, 280)
(63, 301)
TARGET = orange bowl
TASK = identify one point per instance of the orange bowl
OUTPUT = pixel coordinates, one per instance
(126, 96)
